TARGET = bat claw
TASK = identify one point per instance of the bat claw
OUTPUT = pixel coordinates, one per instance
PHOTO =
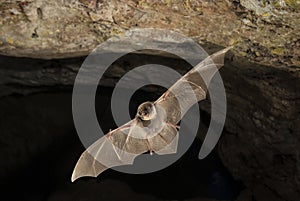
(108, 135)
(149, 147)
(163, 98)
(165, 95)
(174, 125)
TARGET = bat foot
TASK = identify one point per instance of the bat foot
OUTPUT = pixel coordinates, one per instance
(149, 147)
(173, 125)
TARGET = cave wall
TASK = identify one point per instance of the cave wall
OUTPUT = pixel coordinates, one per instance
(264, 31)
(263, 124)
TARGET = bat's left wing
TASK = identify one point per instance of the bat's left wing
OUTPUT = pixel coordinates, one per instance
(191, 88)
(188, 90)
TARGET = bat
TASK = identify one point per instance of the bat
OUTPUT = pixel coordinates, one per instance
(155, 126)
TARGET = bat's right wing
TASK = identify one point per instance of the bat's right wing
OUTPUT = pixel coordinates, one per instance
(120, 147)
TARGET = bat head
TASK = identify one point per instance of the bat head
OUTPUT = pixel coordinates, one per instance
(146, 111)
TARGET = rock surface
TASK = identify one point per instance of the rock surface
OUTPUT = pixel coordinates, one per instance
(263, 124)
(264, 31)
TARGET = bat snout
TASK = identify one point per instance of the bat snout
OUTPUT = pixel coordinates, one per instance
(143, 113)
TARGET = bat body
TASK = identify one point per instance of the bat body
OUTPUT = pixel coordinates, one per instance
(154, 127)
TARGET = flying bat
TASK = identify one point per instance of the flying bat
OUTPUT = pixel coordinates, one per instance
(155, 126)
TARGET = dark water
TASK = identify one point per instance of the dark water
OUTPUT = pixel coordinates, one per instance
(40, 147)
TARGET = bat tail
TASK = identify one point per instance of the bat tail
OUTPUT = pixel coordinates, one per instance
(87, 166)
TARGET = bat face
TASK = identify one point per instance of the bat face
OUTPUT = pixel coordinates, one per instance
(146, 111)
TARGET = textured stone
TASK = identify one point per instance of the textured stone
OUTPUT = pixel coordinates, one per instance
(262, 142)
(69, 28)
